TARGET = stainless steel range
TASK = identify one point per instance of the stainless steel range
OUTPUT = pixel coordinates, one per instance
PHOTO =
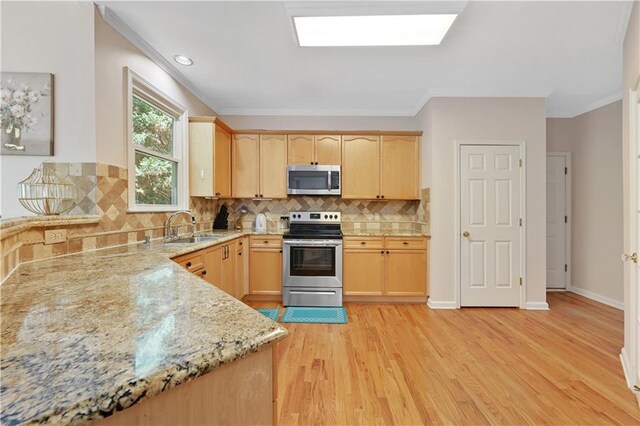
(312, 261)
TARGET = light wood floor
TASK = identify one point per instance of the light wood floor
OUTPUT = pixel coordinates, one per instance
(409, 365)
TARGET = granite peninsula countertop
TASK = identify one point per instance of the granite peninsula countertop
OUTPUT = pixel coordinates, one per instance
(92, 333)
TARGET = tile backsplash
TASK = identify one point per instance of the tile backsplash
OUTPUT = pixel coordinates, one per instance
(103, 195)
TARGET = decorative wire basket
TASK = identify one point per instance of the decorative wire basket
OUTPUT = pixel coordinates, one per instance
(44, 192)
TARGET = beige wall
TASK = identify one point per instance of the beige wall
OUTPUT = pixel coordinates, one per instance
(270, 122)
(631, 73)
(112, 53)
(488, 119)
(57, 38)
(594, 140)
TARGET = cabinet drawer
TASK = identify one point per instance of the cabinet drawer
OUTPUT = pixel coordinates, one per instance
(191, 261)
(363, 242)
(405, 243)
(263, 241)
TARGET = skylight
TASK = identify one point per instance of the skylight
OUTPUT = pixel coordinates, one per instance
(380, 30)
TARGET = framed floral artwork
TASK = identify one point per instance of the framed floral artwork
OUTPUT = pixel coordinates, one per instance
(26, 107)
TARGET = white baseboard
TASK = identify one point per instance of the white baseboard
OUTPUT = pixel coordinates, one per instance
(537, 306)
(441, 305)
(626, 368)
(597, 297)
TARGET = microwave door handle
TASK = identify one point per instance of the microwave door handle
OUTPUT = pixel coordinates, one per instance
(329, 180)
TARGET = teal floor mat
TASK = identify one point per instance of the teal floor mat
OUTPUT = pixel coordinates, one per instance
(271, 313)
(315, 315)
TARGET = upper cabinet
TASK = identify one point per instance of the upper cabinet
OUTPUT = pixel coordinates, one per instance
(259, 166)
(361, 167)
(399, 167)
(209, 158)
(314, 149)
(390, 164)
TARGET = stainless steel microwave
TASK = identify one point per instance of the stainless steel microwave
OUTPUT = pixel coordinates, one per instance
(313, 180)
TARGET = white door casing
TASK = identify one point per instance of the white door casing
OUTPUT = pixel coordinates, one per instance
(558, 242)
(490, 231)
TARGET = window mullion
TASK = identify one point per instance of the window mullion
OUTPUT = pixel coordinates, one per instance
(153, 153)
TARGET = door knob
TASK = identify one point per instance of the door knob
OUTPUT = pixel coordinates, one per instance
(466, 234)
(632, 257)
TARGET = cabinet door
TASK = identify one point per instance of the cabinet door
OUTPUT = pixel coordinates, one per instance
(245, 166)
(328, 149)
(300, 149)
(213, 265)
(242, 268)
(229, 269)
(405, 273)
(201, 159)
(265, 271)
(360, 167)
(222, 163)
(273, 166)
(363, 272)
(399, 174)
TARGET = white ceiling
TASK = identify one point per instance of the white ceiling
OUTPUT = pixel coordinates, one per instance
(247, 60)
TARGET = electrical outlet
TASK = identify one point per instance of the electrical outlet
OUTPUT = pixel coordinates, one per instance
(55, 236)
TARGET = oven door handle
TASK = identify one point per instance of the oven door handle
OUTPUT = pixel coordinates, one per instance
(315, 243)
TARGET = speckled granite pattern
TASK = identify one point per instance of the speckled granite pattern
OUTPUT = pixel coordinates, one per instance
(89, 334)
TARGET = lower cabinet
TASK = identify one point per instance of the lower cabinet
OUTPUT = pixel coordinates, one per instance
(393, 267)
(265, 265)
(242, 268)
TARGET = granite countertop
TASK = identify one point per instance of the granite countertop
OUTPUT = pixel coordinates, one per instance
(381, 233)
(92, 333)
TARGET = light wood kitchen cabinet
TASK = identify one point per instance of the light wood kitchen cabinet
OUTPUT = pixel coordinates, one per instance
(405, 272)
(259, 166)
(246, 166)
(229, 270)
(273, 166)
(220, 264)
(361, 167)
(213, 265)
(242, 268)
(399, 167)
(389, 162)
(363, 272)
(209, 158)
(314, 149)
(397, 267)
(265, 265)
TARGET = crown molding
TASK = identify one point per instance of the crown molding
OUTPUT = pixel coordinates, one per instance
(623, 22)
(599, 103)
(129, 34)
(481, 93)
(318, 112)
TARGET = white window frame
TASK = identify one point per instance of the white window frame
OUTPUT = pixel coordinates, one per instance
(138, 86)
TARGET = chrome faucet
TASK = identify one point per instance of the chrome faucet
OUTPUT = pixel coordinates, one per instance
(169, 233)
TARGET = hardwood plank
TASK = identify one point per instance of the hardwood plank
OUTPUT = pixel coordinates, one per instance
(407, 364)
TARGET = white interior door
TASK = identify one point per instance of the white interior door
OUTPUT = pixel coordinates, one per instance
(632, 257)
(489, 225)
(556, 222)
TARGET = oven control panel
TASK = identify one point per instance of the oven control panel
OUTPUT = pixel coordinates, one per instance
(314, 217)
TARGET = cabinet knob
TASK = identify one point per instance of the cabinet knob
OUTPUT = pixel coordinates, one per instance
(188, 264)
(364, 243)
(382, 196)
(316, 163)
(387, 251)
(405, 243)
(381, 251)
(311, 163)
(261, 195)
(377, 196)
(204, 272)
(239, 254)
(217, 193)
(256, 195)
(266, 242)
(280, 251)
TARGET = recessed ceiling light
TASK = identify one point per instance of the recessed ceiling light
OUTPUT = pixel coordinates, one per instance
(183, 60)
(380, 30)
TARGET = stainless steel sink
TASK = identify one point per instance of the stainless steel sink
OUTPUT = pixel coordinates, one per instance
(196, 239)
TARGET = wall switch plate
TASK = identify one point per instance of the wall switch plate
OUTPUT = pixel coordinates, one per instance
(55, 236)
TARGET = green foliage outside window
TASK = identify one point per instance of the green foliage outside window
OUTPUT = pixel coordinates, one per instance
(155, 177)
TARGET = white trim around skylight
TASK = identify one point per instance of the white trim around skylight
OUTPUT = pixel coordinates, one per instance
(378, 30)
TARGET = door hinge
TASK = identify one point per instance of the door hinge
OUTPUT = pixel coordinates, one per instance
(520, 162)
(565, 267)
(566, 220)
(520, 221)
(566, 169)
(520, 280)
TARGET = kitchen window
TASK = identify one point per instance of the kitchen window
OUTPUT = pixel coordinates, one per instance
(157, 143)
